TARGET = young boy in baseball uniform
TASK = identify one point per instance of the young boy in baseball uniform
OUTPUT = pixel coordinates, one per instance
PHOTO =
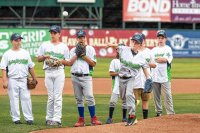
(81, 72)
(131, 62)
(54, 76)
(162, 55)
(140, 80)
(114, 72)
(16, 64)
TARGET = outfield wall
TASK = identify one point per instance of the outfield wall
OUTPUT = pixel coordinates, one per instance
(184, 43)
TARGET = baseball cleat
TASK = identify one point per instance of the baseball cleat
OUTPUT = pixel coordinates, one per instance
(131, 120)
(48, 122)
(80, 122)
(95, 121)
(29, 122)
(55, 123)
(158, 115)
(124, 120)
(109, 121)
(17, 122)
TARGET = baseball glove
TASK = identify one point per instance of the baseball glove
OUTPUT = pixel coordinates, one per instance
(148, 86)
(52, 62)
(80, 50)
(31, 84)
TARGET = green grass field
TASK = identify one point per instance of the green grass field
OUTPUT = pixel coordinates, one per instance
(182, 104)
(181, 68)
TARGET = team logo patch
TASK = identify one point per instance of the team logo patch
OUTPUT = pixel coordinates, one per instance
(178, 41)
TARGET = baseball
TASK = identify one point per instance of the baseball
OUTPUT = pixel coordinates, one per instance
(65, 13)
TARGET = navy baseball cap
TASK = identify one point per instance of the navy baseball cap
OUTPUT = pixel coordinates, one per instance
(138, 38)
(143, 36)
(81, 33)
(161, 33)
(55, 28)
(15, 36)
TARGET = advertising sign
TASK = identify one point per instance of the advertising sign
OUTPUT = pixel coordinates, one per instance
(31, 42)
(186, 11)
(147, 10)
(33, 38)
(100, 38)
(184, 43)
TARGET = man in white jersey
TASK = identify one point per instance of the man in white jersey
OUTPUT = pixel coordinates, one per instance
(114, 72)
(162, 55)
(54, 76)
(16, 64)
(81, 72)
(131, 62)
(140, 81)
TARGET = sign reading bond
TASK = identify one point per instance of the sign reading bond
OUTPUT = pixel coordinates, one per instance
(147, 10)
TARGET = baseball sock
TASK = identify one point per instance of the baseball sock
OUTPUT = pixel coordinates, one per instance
(145, 113)
(111, 110)
(81, 111)
(124, 113)
(92, 111)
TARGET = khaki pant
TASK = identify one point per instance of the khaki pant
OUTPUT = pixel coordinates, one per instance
(139, 94)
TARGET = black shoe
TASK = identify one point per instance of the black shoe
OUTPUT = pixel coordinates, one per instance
(55, 123)
(158, 115)
(124, 120)
(29, 122)
(48, 122)
(17, 122)
(109, 121)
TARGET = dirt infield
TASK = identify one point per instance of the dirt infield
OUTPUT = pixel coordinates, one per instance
(181, 123)
(103, 86)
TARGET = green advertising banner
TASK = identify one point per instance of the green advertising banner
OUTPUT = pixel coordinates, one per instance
(31, 42)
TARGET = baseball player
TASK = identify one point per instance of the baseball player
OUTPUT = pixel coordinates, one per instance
(16, 64)
(54, 76)
(81, 73)
(131, 62)
(114, 72)
(140, 80)
(162, 55)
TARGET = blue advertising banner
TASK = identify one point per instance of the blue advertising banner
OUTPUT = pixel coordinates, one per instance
(184, 43)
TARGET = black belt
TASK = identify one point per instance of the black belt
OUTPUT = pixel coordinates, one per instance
(125, 77)
(80, 75)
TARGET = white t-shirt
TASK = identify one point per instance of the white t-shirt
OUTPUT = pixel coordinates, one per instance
(162, 72)
(58, 51)
(115, 67)
(80, 66)
(130, 64)
(18, 63)
(140, 77)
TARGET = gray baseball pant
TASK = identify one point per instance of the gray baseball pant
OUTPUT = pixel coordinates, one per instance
(165, 88)
(83, 88)
(126, 93)
(114, 99)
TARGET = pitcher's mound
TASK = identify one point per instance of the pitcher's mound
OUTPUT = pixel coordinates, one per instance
(180, 123)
